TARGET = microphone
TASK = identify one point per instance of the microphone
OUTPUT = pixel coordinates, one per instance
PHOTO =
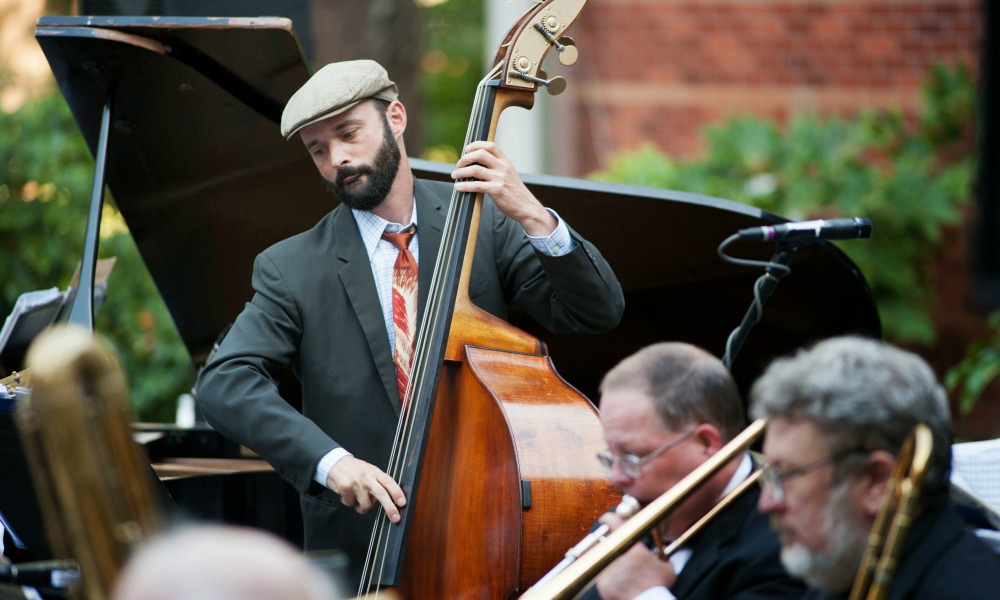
(50, 574)
(821, 229)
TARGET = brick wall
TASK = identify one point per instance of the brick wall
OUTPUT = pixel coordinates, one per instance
(660, 70)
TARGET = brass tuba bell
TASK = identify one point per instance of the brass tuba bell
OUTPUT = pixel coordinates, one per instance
(91, 479)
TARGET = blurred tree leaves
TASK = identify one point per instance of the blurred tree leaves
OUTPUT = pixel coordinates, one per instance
(980, 367)
(910, 176)
(450, 69)
(47, 173)
(46, 169)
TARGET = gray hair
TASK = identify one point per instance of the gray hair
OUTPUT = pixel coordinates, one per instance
(687, 384)
(860, 393)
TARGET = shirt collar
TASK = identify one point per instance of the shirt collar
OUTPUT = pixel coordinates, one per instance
(371, 226)
(741, 473)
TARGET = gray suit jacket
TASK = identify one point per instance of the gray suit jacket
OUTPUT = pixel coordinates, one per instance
(315, 310)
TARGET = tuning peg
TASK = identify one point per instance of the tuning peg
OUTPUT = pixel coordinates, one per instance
(554, 86)
(567, 50)
(565, 45)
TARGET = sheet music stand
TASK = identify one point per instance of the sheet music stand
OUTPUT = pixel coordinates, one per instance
(19, 508)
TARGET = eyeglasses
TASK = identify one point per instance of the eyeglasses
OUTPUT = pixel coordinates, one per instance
(773, 480)
(631, 464)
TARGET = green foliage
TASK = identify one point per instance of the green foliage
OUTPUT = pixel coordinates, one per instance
(47, 173)
(978, 369)
(451, 67)
(950, 99)
(911, 176)
(139, 325)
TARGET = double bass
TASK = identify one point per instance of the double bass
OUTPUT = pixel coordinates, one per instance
(495, 450)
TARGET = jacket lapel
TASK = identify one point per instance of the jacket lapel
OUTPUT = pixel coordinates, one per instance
(708, 544)
(359, 283)
(431, 210)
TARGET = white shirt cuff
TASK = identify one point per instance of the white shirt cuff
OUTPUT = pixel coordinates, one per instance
(327, 463)
(657, 593)
(557, 243)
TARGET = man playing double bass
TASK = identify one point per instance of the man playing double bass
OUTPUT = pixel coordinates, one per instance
(333, 304)
(665, 410)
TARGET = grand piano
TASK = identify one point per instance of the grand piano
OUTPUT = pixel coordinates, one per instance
(181, 115)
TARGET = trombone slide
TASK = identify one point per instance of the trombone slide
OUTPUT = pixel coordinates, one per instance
(566, 584)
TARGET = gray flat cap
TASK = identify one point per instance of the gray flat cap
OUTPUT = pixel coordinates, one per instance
(332, 90)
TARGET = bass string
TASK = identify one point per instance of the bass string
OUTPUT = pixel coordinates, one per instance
(377, 557)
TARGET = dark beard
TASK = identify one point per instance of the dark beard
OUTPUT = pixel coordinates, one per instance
(380, 173)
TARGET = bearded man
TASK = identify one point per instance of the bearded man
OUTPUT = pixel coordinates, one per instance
(838, 415)
(323, 301)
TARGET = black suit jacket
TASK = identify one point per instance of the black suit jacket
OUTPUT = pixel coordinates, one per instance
(736, 556)
(941, 560)
(315, 309)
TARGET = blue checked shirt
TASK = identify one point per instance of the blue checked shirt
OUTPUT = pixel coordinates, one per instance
(382, 255)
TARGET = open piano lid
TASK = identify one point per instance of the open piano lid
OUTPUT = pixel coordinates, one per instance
(205, 181)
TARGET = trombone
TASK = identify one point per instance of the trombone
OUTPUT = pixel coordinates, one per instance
(885, 542)
(574, 578)
(721, 505)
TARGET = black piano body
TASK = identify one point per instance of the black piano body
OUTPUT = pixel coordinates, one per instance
(182, 115)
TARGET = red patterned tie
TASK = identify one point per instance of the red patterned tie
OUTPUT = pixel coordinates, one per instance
(404, 306)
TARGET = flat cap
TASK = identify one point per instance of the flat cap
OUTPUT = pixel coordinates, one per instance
(332, 90)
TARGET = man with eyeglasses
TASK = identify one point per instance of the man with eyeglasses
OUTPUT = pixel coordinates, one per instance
(838, 414)
(664, 411)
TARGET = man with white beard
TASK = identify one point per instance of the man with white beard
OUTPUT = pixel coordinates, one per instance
(838, 415)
